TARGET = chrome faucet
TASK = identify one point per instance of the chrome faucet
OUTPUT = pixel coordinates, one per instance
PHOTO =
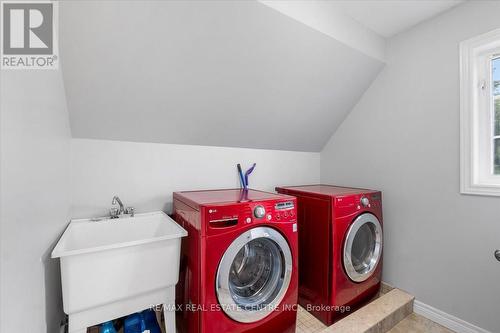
(116, 200)
(117, 212)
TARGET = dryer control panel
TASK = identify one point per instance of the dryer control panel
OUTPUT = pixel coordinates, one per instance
(349, 204)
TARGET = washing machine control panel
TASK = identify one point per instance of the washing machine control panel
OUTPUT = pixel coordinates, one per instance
(221, 217)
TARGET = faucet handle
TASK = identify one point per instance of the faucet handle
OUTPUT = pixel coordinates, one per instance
(114, 212)
(130, 210)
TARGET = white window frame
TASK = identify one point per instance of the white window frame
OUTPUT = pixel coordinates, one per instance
(476, 115)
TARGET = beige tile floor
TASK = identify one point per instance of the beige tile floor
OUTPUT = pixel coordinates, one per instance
(307, 323)
(418, 324)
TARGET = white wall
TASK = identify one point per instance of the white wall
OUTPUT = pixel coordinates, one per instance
(144, 175)
(403, 138)
(34, 198)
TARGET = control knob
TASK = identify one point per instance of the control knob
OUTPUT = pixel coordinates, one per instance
(259, 212)
(365, 202)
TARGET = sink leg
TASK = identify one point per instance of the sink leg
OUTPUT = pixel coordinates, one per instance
(169, 314)
(82, 330)
(75, 327)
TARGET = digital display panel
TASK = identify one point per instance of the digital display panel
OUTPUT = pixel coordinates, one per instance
(284, 205)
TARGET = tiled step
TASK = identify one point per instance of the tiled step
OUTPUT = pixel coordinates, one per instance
(378, 316)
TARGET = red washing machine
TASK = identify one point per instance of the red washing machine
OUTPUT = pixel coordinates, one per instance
(238, 262)
(340, 248)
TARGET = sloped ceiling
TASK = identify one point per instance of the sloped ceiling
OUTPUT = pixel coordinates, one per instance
(228, 73)
(389, 17)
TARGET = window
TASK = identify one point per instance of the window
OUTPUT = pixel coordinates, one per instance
(480, 114)
(495, 74)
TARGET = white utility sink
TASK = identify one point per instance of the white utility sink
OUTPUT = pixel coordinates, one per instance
(114, 267)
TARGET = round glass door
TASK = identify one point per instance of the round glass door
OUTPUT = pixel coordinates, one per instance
(363, 247)
(254, 274)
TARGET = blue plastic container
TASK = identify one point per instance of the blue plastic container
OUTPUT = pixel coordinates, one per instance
(107, 327)
(149, 317)
(133, 324)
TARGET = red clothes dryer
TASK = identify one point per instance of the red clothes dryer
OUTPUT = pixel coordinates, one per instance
(238, 263)
(340, 248)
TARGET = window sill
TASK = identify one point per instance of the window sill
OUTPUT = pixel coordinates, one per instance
(481, 189)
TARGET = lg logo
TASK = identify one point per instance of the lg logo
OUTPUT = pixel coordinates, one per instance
(28, 34)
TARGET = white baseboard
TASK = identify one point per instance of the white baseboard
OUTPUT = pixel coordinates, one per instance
(445, 319)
